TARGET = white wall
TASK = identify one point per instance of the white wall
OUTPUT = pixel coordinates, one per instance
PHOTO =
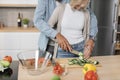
(18, 1)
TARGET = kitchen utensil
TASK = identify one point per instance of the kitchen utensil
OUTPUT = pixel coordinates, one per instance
(45, 62)
(75, 52)
(33, 61)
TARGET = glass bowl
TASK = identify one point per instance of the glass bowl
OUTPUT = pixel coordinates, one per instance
(36, 62)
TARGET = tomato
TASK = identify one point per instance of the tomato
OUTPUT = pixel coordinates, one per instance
(58, 69)
(30, 61)
(8, 58)
(91, 75)
(40, 61)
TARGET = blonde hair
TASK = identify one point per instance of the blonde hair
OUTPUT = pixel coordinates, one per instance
(74, 2)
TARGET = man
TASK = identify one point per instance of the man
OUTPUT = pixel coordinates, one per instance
(43, 12)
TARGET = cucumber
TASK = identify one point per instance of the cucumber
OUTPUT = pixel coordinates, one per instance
(95, 62)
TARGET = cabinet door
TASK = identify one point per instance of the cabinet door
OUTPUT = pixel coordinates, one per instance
(29, 41)
(9, 41)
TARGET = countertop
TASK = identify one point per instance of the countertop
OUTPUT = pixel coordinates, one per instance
(19, 29)
(109, 70)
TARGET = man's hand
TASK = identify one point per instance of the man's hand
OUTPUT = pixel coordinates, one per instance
(88, 48)
(63, 43)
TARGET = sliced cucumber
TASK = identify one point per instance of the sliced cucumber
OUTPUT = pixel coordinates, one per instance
(80, 54)
(95, 62)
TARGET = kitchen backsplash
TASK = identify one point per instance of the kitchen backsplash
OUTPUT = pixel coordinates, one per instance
(9, 16)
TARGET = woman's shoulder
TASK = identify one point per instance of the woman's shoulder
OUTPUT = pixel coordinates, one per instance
(61, 6)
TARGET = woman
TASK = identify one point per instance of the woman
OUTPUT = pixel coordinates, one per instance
(73, 23)
(42, 14)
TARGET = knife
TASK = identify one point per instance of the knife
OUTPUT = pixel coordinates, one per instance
(76, 52)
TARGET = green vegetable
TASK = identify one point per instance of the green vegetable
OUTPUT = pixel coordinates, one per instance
(55, 77)
(95, 62)
(81, 61)
(5, 63)
(1, 67)
(80, 54)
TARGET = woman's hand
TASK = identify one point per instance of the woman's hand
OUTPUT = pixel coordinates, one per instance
(88, 48)
(63, 43)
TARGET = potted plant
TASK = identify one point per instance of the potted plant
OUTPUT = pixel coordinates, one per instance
(25, 22)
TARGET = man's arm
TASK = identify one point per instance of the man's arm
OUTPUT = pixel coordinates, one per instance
(93, 25)
(39, 20)
(92, 35)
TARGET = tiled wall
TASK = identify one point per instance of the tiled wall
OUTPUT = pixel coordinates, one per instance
(8, 16)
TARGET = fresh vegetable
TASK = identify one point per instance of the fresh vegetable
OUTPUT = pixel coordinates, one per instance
(1, 67)
(91, 75)
(96, 62)
(40, 61)
(5, 63)
(58, 69)
(8, 58)
(88, 67)
(81, 61)
(55, 77)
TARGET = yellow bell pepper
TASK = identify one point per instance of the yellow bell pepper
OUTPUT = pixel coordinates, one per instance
(88, 67)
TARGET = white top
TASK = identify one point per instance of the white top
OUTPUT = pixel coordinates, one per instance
(72, 25)
(57, 3)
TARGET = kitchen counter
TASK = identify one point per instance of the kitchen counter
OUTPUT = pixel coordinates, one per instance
(18, 29)
(109, 70)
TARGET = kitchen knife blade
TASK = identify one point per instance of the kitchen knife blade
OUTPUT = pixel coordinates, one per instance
(75, 52)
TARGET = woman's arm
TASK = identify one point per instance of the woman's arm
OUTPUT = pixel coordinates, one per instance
(62, 41)
(39, 21)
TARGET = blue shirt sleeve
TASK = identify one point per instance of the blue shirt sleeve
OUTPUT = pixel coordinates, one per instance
(39, 20)
(93, 24)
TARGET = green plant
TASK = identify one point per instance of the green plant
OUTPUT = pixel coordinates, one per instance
(25, 21)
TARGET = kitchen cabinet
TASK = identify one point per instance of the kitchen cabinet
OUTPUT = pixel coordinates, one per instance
(13, 42)
(12, 53)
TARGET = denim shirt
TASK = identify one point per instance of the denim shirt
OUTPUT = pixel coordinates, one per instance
(42, 14)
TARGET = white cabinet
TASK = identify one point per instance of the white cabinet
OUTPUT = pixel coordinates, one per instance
(12, 53)
(29, 41)
(9, 41)
(13, 42)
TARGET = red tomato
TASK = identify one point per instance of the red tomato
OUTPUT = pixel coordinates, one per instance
(57, 69)
(30, 61)
(8, 58)
(91, 75)
(40, 60)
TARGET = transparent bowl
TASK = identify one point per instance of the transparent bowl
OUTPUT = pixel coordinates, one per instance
(34, 61)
